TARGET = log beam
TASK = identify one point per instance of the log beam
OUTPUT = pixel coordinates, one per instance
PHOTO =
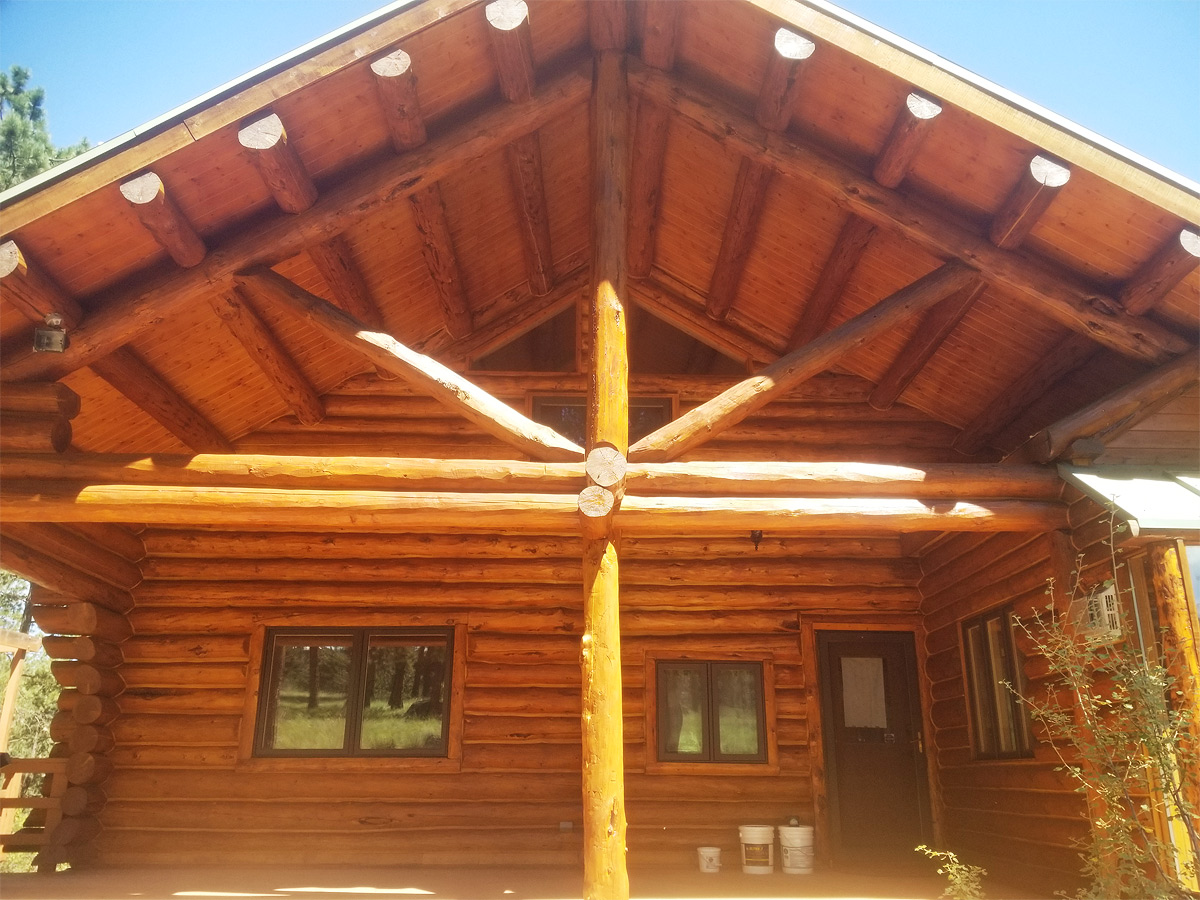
(278, 163)
(334, 260)
(1068, 301)
(162, 217)
(730, 407)
(32, 292)
(1114, 413)
(773, 111)
(40, 568)
(271, 357)
(851, 243)
(817, 479)
(34, 433)
(138, 304)
(126, 372)
(935, 327)
(1032, 196)
(512, 49)
(396, 87)
(1154, 280)
(1068, 355)
(44, 398)
(439, 512)
(659, 35)
(608, 24)
(913, 124)
(605, 876)
(429, 375)
(437, 246)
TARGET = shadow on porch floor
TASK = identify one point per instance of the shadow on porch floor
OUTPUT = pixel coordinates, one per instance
(458, 884)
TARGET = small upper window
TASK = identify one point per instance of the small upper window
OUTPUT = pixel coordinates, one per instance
(993, 674)
(355, 692)
(710, 712)
(567, 414)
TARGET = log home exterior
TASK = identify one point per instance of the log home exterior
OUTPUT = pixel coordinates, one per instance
(709, 344)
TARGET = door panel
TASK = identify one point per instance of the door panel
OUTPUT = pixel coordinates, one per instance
(874, 759)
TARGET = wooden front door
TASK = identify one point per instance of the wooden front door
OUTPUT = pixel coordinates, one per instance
(874, 749)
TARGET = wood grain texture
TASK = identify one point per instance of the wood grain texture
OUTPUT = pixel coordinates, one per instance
(396, 88)
(266, 141)
(31, 291)
(161, 216)
(913, 123)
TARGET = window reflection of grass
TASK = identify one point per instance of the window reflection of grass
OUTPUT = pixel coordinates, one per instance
(691, 732)
(739, 730)
(299, 728)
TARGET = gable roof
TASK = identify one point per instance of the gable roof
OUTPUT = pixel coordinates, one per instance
(786, 224)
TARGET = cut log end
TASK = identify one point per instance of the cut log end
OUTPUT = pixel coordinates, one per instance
(596, 502)
(790, 45)
(393, 65)
(921, 107)
(10, 258)
(1189, 240)
(606, 466)
(143, 189)
(505, 15)
(263, 134)
(1049, 173)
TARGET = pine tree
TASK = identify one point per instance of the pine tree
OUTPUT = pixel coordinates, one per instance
(25, 145)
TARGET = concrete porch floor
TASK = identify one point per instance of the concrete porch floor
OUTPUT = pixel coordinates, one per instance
(336, 883)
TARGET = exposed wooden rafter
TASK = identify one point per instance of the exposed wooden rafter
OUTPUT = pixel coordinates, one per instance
(271, 357)
(512, 49)
(383, 351)
(650, 141)
(125, 371)
(137, 304)
(164, 220)
(1064, 299)
(1112, 414)
(776, 99)
(931, 333)
(851, 243)
(1154, 280)
(608, 24)
(437, 246)
(730, 407)
(913, 124)
(1039, 184)
(396, 87)
(32, 292)
(277, 161)
(335, 261)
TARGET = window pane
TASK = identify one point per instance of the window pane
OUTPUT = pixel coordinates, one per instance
(979, 671)
(308, 706)
(998, 649)
(864, 703)
(738, 698)
(681, 710)
(566, 415)
(647, 415)
(404, 701)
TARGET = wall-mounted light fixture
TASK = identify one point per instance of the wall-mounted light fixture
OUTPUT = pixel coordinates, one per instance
(756, 536)
(51, 337)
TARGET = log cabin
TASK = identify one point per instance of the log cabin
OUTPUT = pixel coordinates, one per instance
(544, 432)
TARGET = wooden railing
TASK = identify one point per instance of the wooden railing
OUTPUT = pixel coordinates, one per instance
(37, 834)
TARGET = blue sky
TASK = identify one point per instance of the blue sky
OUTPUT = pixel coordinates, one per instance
(1127, 69)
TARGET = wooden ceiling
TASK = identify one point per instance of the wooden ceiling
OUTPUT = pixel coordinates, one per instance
(430, 174)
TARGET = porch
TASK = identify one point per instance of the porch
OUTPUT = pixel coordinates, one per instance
(466, 884)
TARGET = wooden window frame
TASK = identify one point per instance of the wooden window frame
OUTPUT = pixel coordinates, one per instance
(249, 760)
(767, 765)
(536, 398)
(983, 712)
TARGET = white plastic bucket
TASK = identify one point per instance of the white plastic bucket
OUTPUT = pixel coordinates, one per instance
(710, 859)
(758, 849)
(796, 849)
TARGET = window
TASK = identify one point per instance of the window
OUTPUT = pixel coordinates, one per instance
(355, 692)
(567, 414)
(1001, 727)
(710, 712)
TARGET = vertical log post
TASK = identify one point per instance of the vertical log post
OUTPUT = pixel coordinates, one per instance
(1180, 642)
(604, 873)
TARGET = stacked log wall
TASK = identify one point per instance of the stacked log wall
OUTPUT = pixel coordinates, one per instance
(184, 792)
(1021, 816)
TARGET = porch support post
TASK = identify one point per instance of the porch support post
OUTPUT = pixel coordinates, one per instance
(604, 873)
(1180, 642)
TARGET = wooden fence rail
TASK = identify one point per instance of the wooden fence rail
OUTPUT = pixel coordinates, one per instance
(46, 810)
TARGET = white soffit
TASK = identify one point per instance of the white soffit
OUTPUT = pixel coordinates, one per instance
(1158, 502)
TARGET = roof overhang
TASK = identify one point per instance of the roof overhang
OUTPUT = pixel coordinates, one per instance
(1153, 504)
